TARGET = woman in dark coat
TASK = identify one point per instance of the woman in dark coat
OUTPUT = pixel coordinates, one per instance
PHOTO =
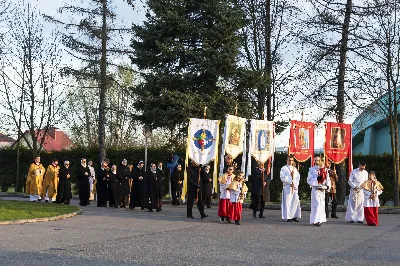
(64, 194)
(153, 189)
(123, 176)
(83, 183)
(113, 188)
(137, 192)
(207, 187)
(102, 185)
(176, 184)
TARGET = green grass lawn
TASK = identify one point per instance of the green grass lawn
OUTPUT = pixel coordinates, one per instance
(18, 210)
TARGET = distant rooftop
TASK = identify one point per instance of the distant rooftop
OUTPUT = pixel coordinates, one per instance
(5, 138)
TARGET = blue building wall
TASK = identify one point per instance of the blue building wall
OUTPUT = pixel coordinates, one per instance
(376, 141)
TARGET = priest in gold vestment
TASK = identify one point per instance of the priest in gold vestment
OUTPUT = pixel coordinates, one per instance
(34, 181)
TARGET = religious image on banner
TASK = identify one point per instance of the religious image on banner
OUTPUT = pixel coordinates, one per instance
(338, 134)
(202, 146)
(304, 136)
(202, 141)
(234, 133)
(263, 139)
(234, 140)
(261, 142)
(301, 141)
(338, 145)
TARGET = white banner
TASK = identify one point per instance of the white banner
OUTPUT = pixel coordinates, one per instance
(234, 140)
(203, 140)
(261, 142)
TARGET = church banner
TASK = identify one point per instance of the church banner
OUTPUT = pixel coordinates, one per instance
(338, 145)
(261, 142)
(301, 142)
(234, 140)
(202, 145)
(203, 140)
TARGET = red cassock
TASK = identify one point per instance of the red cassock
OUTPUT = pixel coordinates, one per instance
(224, 207)
(371, 215)
(236, 211)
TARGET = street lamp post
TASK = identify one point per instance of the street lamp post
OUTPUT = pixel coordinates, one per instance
(147, 134)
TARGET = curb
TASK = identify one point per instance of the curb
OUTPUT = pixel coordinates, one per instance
(13, 195)
(38, 220)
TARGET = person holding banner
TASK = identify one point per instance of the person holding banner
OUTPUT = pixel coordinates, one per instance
(228, 163)
(290, 205)
(224, 205)
(318, 179)
(332, 192)
(355, 205)
(259, 182)
(194, 190)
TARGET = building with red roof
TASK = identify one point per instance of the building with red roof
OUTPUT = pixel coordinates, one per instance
(54, 140)
(5, 141)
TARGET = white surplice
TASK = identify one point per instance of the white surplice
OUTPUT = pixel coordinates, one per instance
(318, 214)
(225, 194)
(290, 205)
(355, 205)
(371, 202)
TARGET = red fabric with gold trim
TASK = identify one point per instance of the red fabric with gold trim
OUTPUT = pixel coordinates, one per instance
(338, 142)
(301, 143)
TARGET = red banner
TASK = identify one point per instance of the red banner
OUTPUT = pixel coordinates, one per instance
(301, 143)
(338, 142)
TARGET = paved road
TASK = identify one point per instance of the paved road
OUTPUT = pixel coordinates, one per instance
(108, 236)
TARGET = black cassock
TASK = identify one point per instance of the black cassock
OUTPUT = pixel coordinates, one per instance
(83, 184)
(102, 187)
(161, 174)
(64, 193)
(258, 191)
(113, 189)
(123, 176)
(137, 192)
(176, 189)
(207, 187)
(207, 184)
(153, 191)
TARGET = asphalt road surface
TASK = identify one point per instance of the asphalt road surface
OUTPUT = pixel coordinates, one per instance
(109, 236)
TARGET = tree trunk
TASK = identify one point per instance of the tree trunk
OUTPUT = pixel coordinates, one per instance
(87, 122)
(268, 60)
(103, 84)
(342, 182)
(266, 95)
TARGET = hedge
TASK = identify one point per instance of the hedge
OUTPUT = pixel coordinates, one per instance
(382, 165)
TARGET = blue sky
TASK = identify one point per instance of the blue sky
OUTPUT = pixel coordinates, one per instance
(125, 17)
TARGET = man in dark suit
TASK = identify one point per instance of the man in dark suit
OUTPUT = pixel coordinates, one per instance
(194, 188)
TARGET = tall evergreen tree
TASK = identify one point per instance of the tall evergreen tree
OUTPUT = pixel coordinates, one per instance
(187, 50)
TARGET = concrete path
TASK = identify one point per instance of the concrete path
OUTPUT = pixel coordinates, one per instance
(109, 236)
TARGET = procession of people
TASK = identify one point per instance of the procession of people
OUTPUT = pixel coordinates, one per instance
(132, 186)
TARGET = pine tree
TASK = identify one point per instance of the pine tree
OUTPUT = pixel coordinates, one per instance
(187, 51)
